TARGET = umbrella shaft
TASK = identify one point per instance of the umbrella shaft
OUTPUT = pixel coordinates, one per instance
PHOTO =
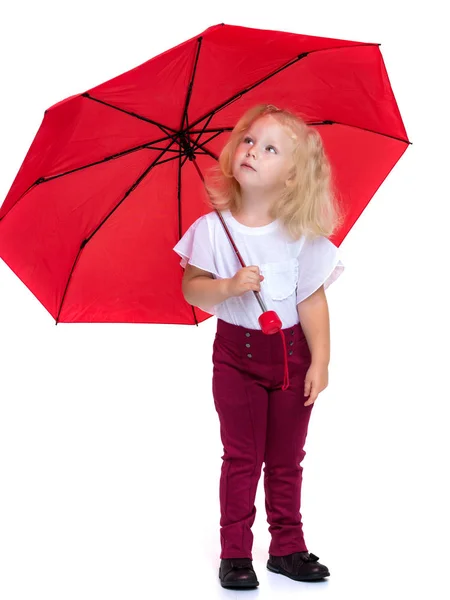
(260, 300)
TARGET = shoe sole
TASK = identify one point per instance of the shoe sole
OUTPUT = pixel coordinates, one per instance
(238, 584)
(312, 577)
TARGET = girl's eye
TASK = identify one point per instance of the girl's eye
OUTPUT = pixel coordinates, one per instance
(270, 146)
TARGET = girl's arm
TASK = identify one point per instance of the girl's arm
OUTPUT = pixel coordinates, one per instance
(201, 289)
(315, 322)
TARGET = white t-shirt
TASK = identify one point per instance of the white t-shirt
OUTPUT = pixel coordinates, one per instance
(292, 270)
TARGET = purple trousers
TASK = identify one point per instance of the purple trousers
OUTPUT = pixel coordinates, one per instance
(259, 422)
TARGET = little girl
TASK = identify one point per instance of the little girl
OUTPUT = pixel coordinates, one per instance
(277, 203)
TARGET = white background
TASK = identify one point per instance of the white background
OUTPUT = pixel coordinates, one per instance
(110, 452)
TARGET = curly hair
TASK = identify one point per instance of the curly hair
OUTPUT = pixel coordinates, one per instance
(308, 204)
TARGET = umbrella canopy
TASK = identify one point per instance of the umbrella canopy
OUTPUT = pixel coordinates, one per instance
(113, 177)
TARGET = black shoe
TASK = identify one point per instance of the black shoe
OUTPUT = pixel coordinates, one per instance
(301, 566)
(237, 573)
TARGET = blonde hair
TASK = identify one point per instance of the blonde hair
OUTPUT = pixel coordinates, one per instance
(308, 204)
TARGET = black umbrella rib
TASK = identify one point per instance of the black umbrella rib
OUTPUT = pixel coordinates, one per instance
(262, 80)
(393, 137)
(85, 241)
(202, 131)
(184, 118)
(197, 143)
(316, 123)
(206, 150)
(164, 128)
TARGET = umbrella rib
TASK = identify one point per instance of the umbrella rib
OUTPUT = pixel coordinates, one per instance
(185, 121)
(329, 122)
(325, 122)
(164, 128)
(203, 130)
(209, 139)
(184, 118)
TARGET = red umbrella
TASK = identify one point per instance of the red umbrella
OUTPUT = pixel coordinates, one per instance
(114, 176)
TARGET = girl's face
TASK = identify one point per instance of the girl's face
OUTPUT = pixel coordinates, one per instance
(267, 148)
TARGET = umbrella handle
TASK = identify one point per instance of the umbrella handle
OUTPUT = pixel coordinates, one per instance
(269, 320)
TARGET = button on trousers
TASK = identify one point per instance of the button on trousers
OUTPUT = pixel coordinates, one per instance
(259, 422)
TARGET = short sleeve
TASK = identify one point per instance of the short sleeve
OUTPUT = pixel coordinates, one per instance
(195, 247)
(319, 263)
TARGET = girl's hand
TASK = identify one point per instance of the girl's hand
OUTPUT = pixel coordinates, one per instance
(245, 280)
(316, 381)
